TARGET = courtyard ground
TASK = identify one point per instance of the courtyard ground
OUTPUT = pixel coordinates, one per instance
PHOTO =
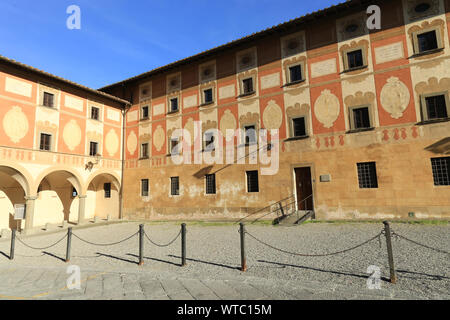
(213, 261)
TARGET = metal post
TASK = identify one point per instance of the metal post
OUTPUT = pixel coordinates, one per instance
(387, 231)
(243, 260)
(183, 244)
(13, 244)
(141, 244)
(69, 243)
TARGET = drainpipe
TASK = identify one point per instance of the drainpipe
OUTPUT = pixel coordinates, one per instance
(124, 114)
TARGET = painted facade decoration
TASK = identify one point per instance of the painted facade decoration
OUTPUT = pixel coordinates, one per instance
(301, 85)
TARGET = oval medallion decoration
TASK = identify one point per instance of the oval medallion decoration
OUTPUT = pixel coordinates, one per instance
(158, 138)
(272, 116)
(72, 135)
(327, 108)
(112, 142)
(395, 97)
(227, 122)
(15, 124)
(132, 143)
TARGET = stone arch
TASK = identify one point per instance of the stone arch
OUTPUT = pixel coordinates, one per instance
(99, 202)
(57, 201)
(14, 188)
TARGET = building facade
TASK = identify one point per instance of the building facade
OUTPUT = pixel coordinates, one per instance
(357, 124)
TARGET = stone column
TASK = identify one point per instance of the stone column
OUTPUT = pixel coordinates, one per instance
(29, 212)
(81, 209)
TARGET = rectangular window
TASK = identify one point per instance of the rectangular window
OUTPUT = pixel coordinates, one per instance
(174, 146)
(436, 107)
(107, 189)
(367, 175)
(144, 112)
(252, 181)
(295, 73)
(441, 171)
(247, 85)
(173, 104)
(208, 96)
(427, 41)
(210, 184)
(49, 99)
(298, 127)
(95, 113)
(144, 187)
(175, 186)
(355, 59)
(46, 142)
(93, 148)
(250, 135)
(144, 150)
(361, 118)
(209, 141)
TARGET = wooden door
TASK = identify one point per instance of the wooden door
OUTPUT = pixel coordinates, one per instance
(304, 189)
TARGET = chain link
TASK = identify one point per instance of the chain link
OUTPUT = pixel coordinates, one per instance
(313, 255)
(43, 248)
(162, 245)
(104, 244)
(419, 244)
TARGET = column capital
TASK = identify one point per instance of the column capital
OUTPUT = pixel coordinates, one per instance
(32, 198)
(82, 196)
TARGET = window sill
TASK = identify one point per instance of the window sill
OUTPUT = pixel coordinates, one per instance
(354, 69)
(206, 104)
(425, 122)
(52, 108)
(242, 145)
(144, 119)
(173, 112)
(296, 138)
(424, 53)
(360, 130)
(293, 83)
(246, 94)
(144, 158)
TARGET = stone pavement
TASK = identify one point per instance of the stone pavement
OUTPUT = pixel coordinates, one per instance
(212, 270)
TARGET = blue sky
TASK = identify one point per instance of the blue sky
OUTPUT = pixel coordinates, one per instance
(120, 39)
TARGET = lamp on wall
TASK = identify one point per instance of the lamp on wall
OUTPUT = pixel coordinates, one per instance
(91, 164)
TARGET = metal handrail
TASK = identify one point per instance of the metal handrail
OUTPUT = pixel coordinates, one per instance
(269, 206)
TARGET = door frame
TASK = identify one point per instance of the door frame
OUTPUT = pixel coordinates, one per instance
(313, 181)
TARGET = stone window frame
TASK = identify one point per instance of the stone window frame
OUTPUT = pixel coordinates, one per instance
(291, 126)
(423, 105)
(169, 104)
(216, 139)
(170, 147)
(89, 148)
(52, 90)
(202, 90)
(100, 112)
(243, 141)
(141, 116)
(246, 181)
(170, 187)
(345, 58)
(52, 141)
(351, 120)
(148, 188)
(141, 155)
(438, 32)
(252, 76)
(302, 64)
(206, 184)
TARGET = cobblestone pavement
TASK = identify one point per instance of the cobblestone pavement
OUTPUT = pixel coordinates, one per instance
(112, 272)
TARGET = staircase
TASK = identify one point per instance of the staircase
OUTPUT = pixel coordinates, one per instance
(297, 217)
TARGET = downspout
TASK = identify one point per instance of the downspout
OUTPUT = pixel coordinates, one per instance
(124, 114)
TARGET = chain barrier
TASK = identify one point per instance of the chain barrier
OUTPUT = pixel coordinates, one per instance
(419, 244)
(104, 244)
(43, 248)
(162, 245)
(314, 255)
